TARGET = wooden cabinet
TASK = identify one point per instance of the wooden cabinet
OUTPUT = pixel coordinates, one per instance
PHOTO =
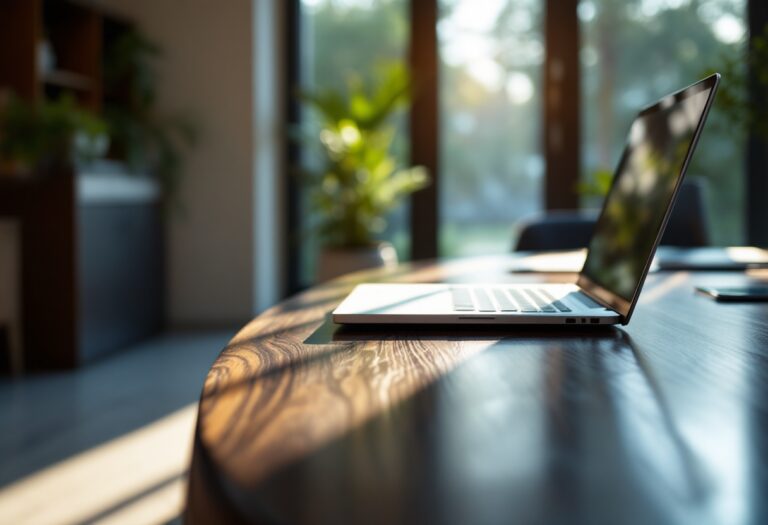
(92, 270)
(51, 46)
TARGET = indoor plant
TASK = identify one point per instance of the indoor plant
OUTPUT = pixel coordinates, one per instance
(359, 181)
(39, 136)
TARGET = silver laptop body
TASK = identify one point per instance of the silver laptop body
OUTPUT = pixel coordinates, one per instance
(660, 145)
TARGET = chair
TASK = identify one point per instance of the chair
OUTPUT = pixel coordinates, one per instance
(571, 230)
(556, 230)
(688, 226)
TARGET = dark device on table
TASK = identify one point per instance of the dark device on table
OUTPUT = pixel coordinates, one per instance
(733, 294)
(661, 141)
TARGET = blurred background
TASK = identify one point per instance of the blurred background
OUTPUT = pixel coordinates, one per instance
(492, 60)
(169, 169)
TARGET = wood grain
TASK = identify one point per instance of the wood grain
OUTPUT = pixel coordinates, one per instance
(452, 425)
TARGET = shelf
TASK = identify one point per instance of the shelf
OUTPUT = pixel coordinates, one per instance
(69, 80)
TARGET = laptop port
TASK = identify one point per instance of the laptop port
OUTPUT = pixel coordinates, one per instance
(570, 320)
(594, 320)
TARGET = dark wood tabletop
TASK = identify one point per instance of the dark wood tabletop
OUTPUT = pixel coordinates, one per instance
(662, 421)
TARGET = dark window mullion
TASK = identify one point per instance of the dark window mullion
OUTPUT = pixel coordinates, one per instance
(292, 188)
(562, 100)
(424, 125)
(757, 160)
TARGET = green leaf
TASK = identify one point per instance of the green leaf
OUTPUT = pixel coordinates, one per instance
(360, 182)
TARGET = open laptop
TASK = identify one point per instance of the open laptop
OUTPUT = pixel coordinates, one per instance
(661, 141)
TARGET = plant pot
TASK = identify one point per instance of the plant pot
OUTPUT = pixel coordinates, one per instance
(334, 262)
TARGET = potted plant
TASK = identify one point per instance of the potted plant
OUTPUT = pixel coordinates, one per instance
(359, 181)
(38, 137)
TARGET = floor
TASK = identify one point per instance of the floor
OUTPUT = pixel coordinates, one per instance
(109, 443)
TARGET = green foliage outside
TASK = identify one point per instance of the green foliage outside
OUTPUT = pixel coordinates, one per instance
(491, 161)
(633, 52)
(740, 115)
(361, 182)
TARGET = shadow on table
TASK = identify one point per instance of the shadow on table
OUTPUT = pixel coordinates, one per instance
(542, 426)
(330, 332)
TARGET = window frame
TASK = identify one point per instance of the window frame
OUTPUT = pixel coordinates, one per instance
(756, 183)
(424, 126)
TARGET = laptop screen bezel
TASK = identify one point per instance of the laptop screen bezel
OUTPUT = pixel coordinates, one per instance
(597, 291)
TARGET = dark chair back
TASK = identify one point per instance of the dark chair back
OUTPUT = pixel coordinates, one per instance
(687, 226)
(571, 230)
(556, 230)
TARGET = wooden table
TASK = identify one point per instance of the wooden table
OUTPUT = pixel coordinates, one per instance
(663, 421)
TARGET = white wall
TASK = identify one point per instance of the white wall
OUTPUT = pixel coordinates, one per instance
(207, 68)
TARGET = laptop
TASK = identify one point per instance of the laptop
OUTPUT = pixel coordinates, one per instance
(659, 148)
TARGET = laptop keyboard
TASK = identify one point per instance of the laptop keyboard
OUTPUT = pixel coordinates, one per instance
(508, 300)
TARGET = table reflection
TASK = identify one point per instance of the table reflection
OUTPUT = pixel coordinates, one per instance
(533, 426)
(583, 426)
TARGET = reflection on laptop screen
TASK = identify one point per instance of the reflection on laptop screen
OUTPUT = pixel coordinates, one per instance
(659, 140)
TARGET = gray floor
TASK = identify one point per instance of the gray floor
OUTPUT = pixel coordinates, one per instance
(46, 419)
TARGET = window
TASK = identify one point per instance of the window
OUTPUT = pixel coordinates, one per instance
(491, 163)
(635, 51)
(491, 79)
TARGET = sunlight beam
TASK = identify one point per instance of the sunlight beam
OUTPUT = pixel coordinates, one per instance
(99, 481)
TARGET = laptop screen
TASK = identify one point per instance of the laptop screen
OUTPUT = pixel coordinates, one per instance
(633, 214)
